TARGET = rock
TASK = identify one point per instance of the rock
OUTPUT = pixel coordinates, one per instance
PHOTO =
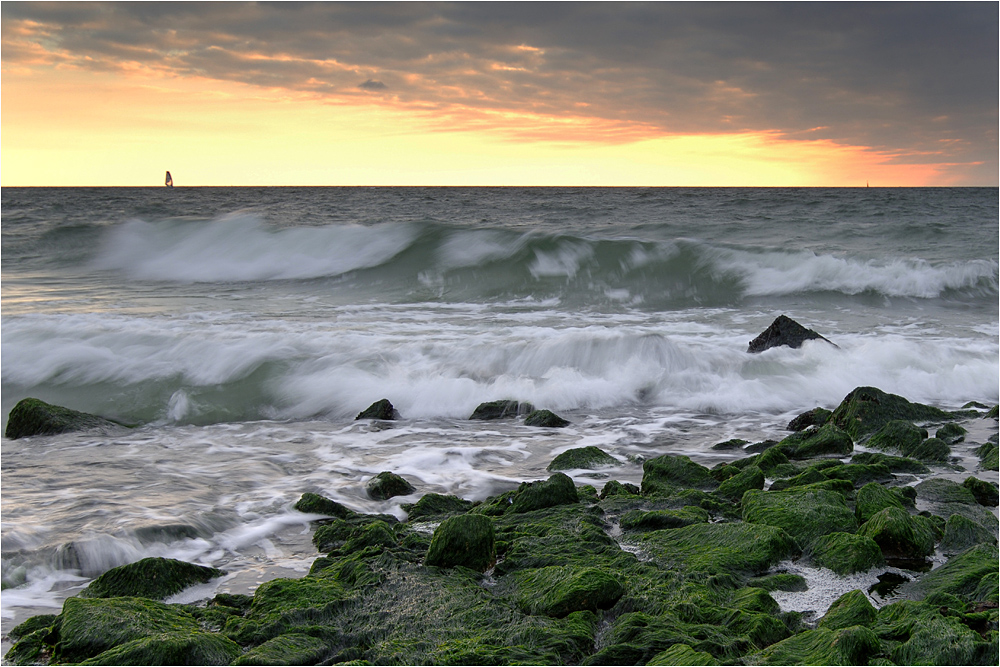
(783, 331)
(587, 458)
(682, 654)
(893, 463)
(663, 519)
(545, 418)
(918, 633)
(897, 435)
(960, 533)
(433, 505)
(312, 503)
(749, 478)
(850, 609)
(501, 410)
(900, 535)
(556, 490)
(988, 456)
(951, 433)
(867, 409)
(963, 576)
(873, 498)
(615, 488)
(664, 473)
(728, 445)
(810, 475)
(559, 591)
(814, 417)
(375, 534)
(860, 474)
(849, 646)
(153, 578)
(34, 417)
(931, 449)
(188, 648)
(770, 459)
(467, 540)
(719, 547)
(379, 410)
(794, 583)
(827, 440)
(804, 514)
(845, 553)
(940, 490)
(984, 492)
(290, 649)
(387, 485)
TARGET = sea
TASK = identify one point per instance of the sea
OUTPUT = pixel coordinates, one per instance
(243, 329)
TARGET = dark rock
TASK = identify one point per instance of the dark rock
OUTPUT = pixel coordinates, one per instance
(951, 433)
(501, 410)
(556, 490)
(749, 478)
(559, 591)
(664, 473)
(867, 409)
(546, 419)
(379, 410)
(436, 505)
(467, 540)
(312, 503)
(728, 445)
(848, 610)
(783, 331)
(387, 485)
(960, 533)
(615, 488)
(34, 417)
(984, 492)
(815, 417)
(758, 447)
(153, 578)
(587, 458)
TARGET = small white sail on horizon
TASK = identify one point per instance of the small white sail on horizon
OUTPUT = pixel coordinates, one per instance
(170, 181)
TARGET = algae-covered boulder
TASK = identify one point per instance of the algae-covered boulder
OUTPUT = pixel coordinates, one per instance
(916, 633)
(501, 410)
(32, 416)
(783, 331)
(682, 654)
(860, 474)
(187, 648)
(312, 503)
(897, 435)
(814, 417)
(971, 576)
(781, 581)
(770, 459)
(545, 419)
(387, 485)
(663, 519)
(984, 492)
(867, 409)
(433, 505)
(558, 489)
(382, 409)
(931, 449)
(616, 488)
(588, 458)
(989, 456)
(805, 513)
(960, 533)
(719, 547)
(845, 553)
(559, 591)
(849, 646)
(951, 433)
(896, 464)
(940, 490)
(873, 498)
(153, 578)
(826, 440)
(290, 649)
(467, 540)
(749, 478)
(900, 535)
(665, 473)
(850, 609)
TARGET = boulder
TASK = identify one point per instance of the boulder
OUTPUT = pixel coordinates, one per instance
(467, 540)
(501, 410)
(897, 435)
(379, 410)
(387, 485)
(664, 473)
(803, 513)
(171, 648)
(558, 489)
(434, 505)
(32, 416)
(558, 591)
(845, 553)
(734, 487)
(682, 654)
(545, 419)
(714, 548)
(826, 440)
(312, 503)
(951, 433)
(588, 458)
(663, 519)
(931, 449)
(873, 498)
(850, 609)
(616, 488)
(867, 409)
(971, 576)
(153, 578)
(783, 331)
(984, 492)
(896, 464)
(814, 417)
(900, 535)
(849, 646)
(290, 649)
(960, 533)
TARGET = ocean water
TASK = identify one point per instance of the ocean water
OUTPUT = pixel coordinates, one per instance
(243, 329)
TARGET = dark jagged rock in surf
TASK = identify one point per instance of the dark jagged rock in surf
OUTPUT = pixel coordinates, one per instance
(379, 410)
(546, 419)
(783, 331)
(501, 410)
(32, 416)
(815, 417)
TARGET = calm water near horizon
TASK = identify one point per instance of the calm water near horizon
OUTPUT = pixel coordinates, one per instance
(244, 328)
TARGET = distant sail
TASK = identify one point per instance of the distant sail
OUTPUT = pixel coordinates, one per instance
(170, 181)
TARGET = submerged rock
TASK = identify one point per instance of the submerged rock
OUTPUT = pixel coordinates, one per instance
(32, 416)
(501, 410)
(386, 485)
(783, 331)
(379, 410)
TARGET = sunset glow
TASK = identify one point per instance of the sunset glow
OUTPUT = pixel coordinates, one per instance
(215, 112)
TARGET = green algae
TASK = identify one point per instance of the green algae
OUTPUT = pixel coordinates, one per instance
(466, 540)
(895, 464)
(900, 535)
(951, 433)
(616, 488)
(387, 485)
(931, 449)
(435, 505)
(501, 409)
(872, 498)
(867, 409)
(823, 646)
(154, 578)
(916, 633)
(720, 547)
(897, 434)
(664, 474)
(826, 440)
(661, 519)
(587, 458)
(290, 649)
(805, 514)
(751, 477)
(814, 417)
(850, 609)
(984, 492)
(845, 553)
(558, 489)
(960, 533)
(189, 648)
(939, 490)
(962, 576)
(558, 591)
(32, 416)
(312, 503)
(545, 419)
(780, 582)
(682, 654)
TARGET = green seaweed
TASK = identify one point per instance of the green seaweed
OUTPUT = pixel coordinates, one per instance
(154, 578)
(467, 540)
(803, 513)
(587, 458)
(845, 553)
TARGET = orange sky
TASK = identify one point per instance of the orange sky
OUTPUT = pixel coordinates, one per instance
(70, 119)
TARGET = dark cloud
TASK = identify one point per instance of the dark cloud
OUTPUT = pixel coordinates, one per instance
(913, 78)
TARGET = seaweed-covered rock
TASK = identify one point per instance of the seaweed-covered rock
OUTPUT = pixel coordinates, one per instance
(989, 456)
(960, 533)
(559, 591)
(187, 648)
(587, 458)
(770, 459)
(153, 578)
(848, 646)
(615, 488)
(728, 445)
(808, 476)
(826, 440)
(719, 547)
(501, 410)
(867, 409)
(782, 581)
(896, 464)
(663, 519)
(963, 576)
(312, 503)
(432, 505)
(900, 535)
(814, 417)
(951, 433)
(467, 540)
(917, 633)
(845, 553)
(931, 449)
(873, 498)
(386, 485)
(375, 534)
(984, 492)
(382, 409)
(897, 435)
(545, 418)
(558, 489)
(940, 490)
(32, 416)
(290, 649)
(850, 609)
(804, 514)
(860, 474)
(664, 473)
(749, 478)
(682, 654)
(783, 331)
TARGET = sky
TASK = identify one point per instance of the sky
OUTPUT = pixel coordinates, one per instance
(582, 94)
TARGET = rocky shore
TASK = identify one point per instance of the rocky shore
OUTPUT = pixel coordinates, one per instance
(685, 569)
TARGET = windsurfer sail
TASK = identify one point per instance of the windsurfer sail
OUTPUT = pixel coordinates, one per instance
(170, 181)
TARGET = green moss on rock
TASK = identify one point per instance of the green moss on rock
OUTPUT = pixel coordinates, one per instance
(931, 449)
(873, 498)
(154, 578)
(682, 654)
(545, 419)
(848, 646)
(587, 458)
(899, 535)
(467, 540)
(867, 409)
(558, 489)
(984, 492)
(960, 533)
(826, 440)
(387, 485)
(897, 435)
(32, 416)
(501, 409)
(312, 503)
(187, 648)
(751, 477)
(850, 609)
(719, 547)
(814, 417)
(794, 583)
(940, 490)
(896, 464)
(559, 591)
(845, 553)
(962, 576)
(435, 505)
(290, 649)
(662, 519)
(951, 433)
(382, 410)
(615, 488)
(664, 473)
(804, 514)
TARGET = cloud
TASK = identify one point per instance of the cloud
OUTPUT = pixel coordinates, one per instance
(911, 79)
